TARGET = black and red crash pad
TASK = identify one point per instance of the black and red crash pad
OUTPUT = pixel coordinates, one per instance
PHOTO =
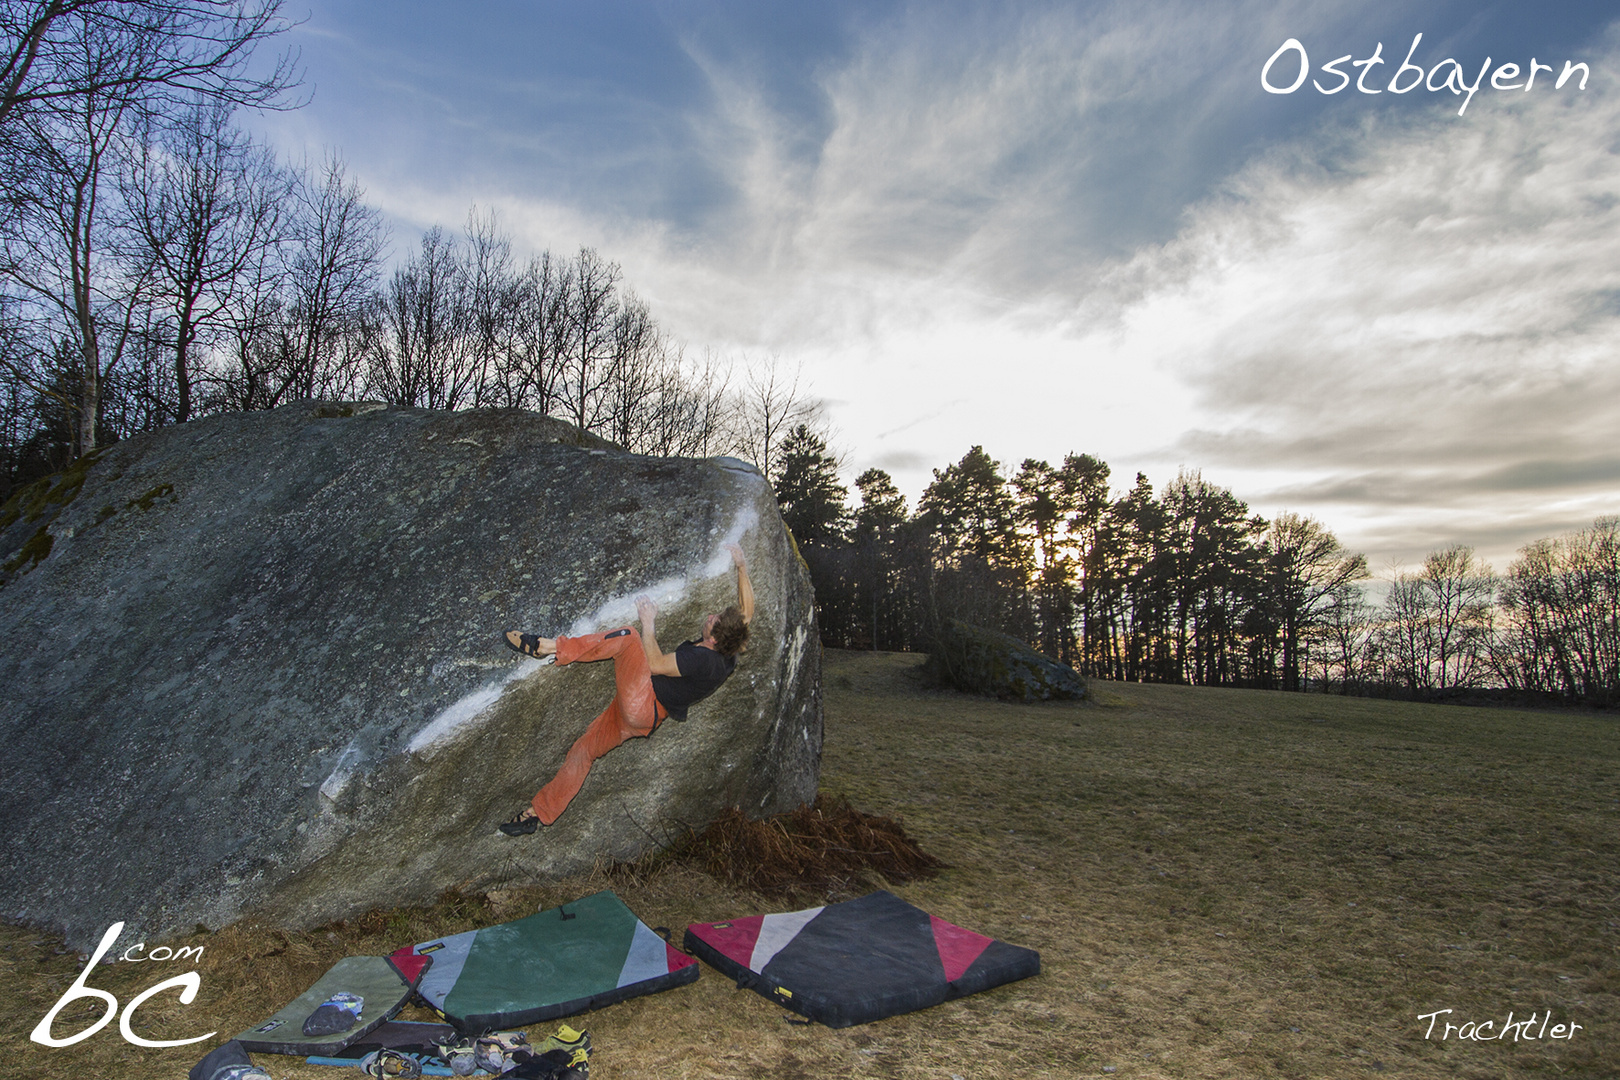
(858, 961)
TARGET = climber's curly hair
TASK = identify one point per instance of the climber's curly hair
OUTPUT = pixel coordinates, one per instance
(730, 632)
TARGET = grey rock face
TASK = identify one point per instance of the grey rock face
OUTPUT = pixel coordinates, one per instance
(255, 662)
(983, 661)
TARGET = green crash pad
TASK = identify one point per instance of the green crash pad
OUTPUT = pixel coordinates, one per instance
(382, 986)
(584, 955)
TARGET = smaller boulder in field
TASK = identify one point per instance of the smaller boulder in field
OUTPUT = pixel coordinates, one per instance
(978, 660)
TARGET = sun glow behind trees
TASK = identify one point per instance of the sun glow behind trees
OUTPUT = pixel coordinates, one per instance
(1186, 586)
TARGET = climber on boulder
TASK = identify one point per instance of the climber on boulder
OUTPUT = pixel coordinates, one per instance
(652, 685)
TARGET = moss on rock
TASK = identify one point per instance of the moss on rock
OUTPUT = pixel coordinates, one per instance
(30, 554)
(56, 490)
(145, 500)
(45, 498)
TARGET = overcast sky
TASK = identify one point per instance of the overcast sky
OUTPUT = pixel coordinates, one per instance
(1047, 228)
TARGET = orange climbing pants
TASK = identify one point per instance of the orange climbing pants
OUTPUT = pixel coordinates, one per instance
(633, 713)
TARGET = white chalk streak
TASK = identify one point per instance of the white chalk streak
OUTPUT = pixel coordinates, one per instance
(619, 611)
(463, 711)
(338, 779)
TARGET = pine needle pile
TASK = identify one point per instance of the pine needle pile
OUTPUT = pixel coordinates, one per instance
(825, 847)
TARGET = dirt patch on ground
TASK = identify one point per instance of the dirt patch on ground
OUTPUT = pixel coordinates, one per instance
(827, 851)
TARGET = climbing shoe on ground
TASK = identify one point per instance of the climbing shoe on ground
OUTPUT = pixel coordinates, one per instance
(388, 1064)
(495, 1051)
(563, 1056)
(241, 1072)
(461, 1055)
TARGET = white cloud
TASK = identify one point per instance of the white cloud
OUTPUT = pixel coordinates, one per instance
(1421, 331)
(1392, 323)
(1014, 233)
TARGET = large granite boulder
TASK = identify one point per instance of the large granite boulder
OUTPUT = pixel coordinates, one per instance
(979, 660)
(255, 662)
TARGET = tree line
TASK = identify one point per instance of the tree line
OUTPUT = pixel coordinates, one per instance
(157, 265)
(1186, 585)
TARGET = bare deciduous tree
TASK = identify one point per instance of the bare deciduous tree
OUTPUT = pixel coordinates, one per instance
(1462, 593)
(694, 408)
(206, 209)
(337, 249)
(1436, 623)
(494, 302)
(1561, 600)
(1308, 567)
(159, 49)
(771, 404)
(58, 249)
(530, 374)
(588, 354)
(631, 398)
(425, 356)
(1343, 633)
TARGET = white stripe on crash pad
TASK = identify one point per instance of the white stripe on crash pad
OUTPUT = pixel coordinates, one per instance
(775, 931)
(648, 959)
(441, 975)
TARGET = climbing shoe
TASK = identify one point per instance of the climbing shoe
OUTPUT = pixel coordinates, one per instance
(241, 1072)
(461, 1055)
(521, 826)
(563, 1056)
(494, 1052)
(528, 645)
(386, 1064)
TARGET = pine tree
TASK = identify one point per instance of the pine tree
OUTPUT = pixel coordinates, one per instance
(878, 535)
(808, 491)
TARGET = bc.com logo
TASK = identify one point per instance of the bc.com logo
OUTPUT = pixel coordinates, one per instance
(188, 985)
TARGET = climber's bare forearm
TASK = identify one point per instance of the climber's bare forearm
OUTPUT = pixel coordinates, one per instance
(745, 588)
(658, 661)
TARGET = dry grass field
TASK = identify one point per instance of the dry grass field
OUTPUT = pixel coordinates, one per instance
(1221, 884)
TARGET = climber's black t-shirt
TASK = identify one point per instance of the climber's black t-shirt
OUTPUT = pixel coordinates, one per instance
(702, 671)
